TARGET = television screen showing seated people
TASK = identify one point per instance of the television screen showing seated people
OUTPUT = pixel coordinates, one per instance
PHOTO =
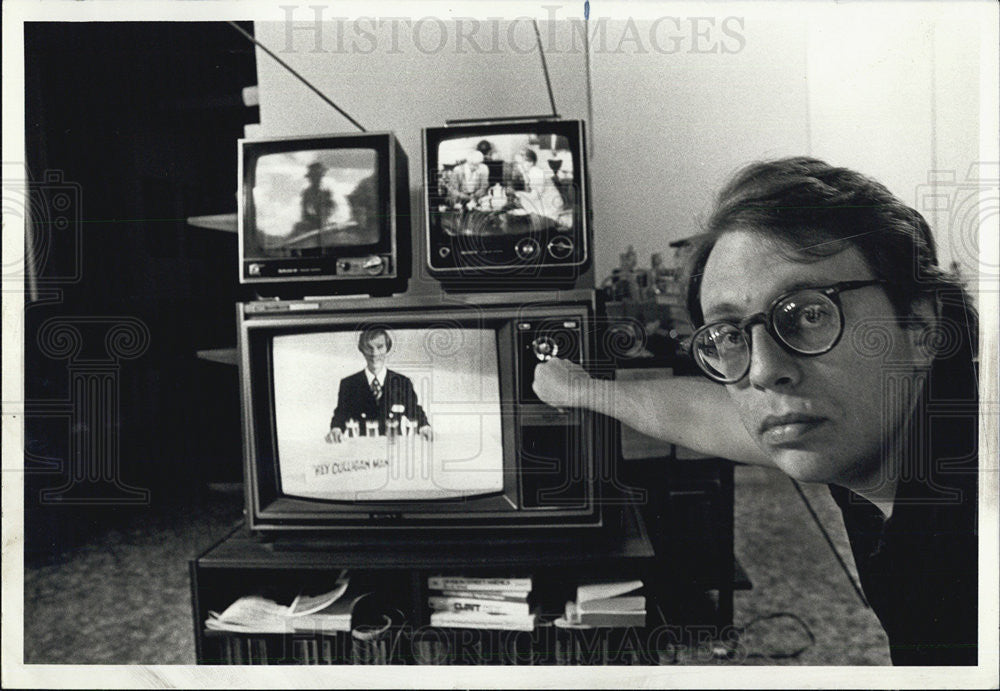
(308, 203)
(388, 414)
(505, 184)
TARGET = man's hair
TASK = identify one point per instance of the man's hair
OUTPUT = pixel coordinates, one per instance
(369, 335)
(531, 155)
(814, 210)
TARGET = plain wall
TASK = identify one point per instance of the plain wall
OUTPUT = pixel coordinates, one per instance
(895, 94)
(682, 96)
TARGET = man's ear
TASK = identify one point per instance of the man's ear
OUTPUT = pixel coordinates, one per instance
(926, 333)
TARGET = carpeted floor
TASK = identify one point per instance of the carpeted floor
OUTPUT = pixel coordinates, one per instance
(122, 596)
(793, 569)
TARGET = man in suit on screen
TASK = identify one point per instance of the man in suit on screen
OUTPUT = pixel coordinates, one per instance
(375, 391)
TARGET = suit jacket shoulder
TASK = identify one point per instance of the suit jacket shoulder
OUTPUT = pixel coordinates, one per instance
(355, 378)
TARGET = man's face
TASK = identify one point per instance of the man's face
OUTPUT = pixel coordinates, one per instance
(821, 418)
(375, 351)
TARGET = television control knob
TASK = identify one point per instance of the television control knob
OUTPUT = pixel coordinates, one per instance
(560, 247)
(545, 348)
(443, 252)
(343, 265)
(373, 266)
(527, 248)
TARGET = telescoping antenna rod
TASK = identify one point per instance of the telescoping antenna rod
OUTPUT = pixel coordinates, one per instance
(516, 118)
(298, 76)
(512, 118)
(545, 67)
(587, 79)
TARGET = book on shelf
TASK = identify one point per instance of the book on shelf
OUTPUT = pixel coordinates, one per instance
(628, 603)
(329, 611)
(473, 604)
(599, 618)
(499, 595)
(250, 614)
(607, 604)
(490, 584)
(335, 617)
(304, 604)
(605, 590)
(496, 622)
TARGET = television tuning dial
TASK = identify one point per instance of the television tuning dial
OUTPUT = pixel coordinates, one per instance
(374, 265)
(560, 247)
(545, 348)
(527, 248)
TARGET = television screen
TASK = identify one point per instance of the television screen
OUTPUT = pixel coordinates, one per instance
(331, 208)
(505, 184)
(507, 199)
(432, 432)
(308, 202)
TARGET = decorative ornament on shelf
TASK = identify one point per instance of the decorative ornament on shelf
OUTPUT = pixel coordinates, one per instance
(651, 300)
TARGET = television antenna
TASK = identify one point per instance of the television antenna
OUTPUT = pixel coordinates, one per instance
(520, 118)
(298, 76)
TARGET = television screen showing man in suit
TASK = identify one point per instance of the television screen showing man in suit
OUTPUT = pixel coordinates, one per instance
(377, 395)
(415, 413)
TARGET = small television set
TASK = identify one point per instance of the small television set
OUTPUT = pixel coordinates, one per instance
(454, 438)
(324, 215)
(507, 200)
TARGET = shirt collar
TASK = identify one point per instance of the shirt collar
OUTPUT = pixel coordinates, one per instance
(369, 376)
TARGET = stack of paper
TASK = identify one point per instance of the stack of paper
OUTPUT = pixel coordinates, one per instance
(607, 604)
(329, 611)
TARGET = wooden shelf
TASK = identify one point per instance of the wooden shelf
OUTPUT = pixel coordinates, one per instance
(396, 566)
(423, 551)
(224, 356)
(224, 222)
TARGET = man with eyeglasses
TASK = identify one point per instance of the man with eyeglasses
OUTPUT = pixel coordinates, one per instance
(834, 348)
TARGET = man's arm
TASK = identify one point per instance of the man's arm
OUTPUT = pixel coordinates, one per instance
(346, 405)
(482, 182)
(687, 411)
(409, 401)
(457, 187)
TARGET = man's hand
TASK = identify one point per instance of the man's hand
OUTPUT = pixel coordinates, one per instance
(426, 432)
(334, 435)
(561, 383)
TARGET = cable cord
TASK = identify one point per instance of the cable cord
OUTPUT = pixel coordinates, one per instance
(780, 655)
(829, 541)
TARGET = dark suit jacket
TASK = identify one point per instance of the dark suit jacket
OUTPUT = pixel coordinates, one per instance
(355, 398)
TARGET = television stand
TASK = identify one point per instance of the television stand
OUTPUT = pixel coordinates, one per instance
(622, 529)
(397, 567)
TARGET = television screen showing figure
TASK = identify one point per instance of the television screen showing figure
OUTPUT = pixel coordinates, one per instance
(381, 414)
(310, 202)
(324, 215)
(504, 184)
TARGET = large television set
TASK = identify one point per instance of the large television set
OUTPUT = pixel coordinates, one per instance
(507, 201)
(453, 438)
(324, 215)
